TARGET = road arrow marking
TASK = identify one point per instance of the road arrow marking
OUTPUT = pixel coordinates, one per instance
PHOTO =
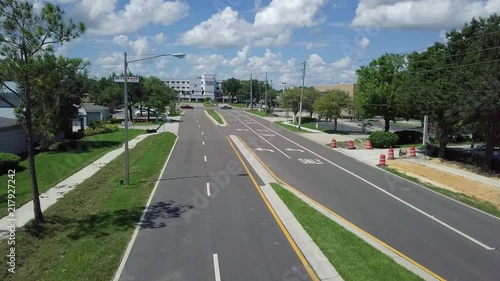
(293, 149)
(264, 149)
(245, 130)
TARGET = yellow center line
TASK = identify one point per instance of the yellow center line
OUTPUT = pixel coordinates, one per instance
(301, 257)
(343, 219)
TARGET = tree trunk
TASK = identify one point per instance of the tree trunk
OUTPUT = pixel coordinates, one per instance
(443, 141)
(31, 158)
(387, 125)
(311, 114)
(334, 124)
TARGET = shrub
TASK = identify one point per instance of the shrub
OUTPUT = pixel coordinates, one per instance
(96, 123)
(106, 128)
(409, 137)
(381, 139)
(8, 161)
(113, 120)
(306, 119)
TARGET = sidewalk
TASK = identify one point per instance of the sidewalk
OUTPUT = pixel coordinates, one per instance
(25, 213)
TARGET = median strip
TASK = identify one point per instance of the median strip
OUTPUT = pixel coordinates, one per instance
(215, 117)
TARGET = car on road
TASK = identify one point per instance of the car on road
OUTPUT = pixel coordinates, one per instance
(225, 107)
(186, 106)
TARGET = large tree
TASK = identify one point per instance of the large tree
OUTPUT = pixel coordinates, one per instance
(291, 100)
(332, 104)
(378, 87)
(308, 100)
(231, 86)
(159, 95)
(26, 35)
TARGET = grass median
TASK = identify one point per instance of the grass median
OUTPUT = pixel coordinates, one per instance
(55, 166)
(290, 128)
(353, 258)
(215, 115)
(468, 200)
(87, 231)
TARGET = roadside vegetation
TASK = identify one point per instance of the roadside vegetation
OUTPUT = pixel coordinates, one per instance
(290, 128)
(65, 159)
(91, 226)
(353, 258)
(469, 200)
(215, 115)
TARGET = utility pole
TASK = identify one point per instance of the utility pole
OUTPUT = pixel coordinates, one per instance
(265, 98)
(251, 92)
(302, 93)
(270, 98)
(125, 97)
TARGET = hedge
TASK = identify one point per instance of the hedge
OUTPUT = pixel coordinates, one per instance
(106, 128)
(381, 139)
(8, 161)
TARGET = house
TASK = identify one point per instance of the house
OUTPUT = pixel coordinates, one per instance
(92, 111)
(12, 136)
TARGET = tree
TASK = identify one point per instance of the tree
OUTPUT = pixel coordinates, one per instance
(378, 87)
(25, 36)
(332, 104)
(106, 92)
(476, 45)
(159, 95)
(231, 86)
(309, 98)
(291, 100)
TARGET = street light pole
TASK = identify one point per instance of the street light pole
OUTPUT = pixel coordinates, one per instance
(125, 93)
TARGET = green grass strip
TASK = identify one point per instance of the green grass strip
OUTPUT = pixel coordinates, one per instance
(55, 166)
(87, 231)
(468, 200)
(353, 258)
(290, 128)
(215, 115)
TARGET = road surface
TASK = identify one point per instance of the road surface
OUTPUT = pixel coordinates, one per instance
(448, 238)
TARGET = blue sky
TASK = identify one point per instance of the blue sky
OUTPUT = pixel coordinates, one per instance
(234, 38)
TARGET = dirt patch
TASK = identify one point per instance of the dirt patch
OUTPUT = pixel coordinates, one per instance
(449, 181)
(465, 167)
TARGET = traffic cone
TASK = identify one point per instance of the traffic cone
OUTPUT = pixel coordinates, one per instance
(390, 155)
(351, 145)
(412, 152)
(368, 145)
(334, 143)
(381, 160)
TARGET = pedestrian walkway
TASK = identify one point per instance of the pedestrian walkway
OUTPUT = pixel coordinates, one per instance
(25, 213)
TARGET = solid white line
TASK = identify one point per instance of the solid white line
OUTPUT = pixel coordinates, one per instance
(203, 142)
(387, 193)
(138, 226)
(262, 137)
(196, 121)
(216, 268)
(208, 188)
(205, 157)
(202, 133)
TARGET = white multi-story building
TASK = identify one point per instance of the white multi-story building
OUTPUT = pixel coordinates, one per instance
(196, 89)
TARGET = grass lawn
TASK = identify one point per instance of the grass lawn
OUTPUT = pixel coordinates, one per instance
(471, 201)
(290, 128)
(259, 113)
(53, 167)
(138, 124)
(215, 115)
(86, 232)
(353, 258)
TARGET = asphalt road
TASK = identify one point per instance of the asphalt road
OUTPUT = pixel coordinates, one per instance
(446, 237)
(206, 208)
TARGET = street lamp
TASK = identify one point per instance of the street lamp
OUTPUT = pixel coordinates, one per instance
(125, 93)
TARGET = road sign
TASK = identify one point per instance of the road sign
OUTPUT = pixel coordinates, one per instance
(130, 79)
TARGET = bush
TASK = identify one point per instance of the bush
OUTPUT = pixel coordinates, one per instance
(381, 139)
(96, 123)
(306, 119)
(409, 137)
(103, 129)
(113, 120)
(8, 161)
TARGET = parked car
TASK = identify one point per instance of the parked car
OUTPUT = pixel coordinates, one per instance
(186, 106)
(143, 112)
(225, 107)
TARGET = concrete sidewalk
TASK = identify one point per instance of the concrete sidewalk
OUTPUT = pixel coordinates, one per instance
(25, 213)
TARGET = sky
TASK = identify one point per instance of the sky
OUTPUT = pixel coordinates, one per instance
(239, 38)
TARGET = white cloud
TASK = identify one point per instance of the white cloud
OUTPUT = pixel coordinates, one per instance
(273, 25)
(160, 38)
(316, 45)
(138, 47)
(431, 14)
(364, 42)
(103, 18)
